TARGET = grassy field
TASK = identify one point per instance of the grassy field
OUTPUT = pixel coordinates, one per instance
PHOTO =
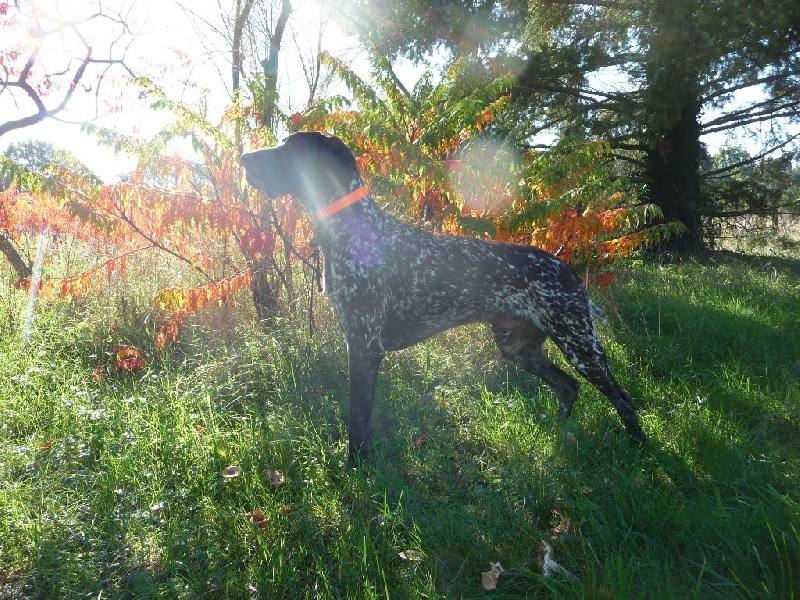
(113, 487)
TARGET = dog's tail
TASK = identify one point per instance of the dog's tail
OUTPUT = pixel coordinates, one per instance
(597, 313)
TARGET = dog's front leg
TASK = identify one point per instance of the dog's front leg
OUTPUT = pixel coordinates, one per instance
(364, 359)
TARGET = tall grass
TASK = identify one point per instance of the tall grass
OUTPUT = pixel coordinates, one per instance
(114, 488)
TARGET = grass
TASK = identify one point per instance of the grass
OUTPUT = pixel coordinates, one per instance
(114, 488)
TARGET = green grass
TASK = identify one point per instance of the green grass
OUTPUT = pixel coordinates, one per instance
(113, 488)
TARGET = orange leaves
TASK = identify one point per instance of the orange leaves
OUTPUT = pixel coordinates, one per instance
(81, 285)
(258, 518)
(191, 300)
(127, 359)
(167, 333)
(177, 302)
(256, 244)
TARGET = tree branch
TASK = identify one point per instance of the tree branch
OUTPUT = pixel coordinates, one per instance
(749, 160)
(32, 65)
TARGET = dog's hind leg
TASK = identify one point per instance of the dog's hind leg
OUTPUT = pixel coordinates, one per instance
(586, 354)
(522, 342)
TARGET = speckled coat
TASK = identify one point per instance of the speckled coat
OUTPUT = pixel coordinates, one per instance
(393, 284)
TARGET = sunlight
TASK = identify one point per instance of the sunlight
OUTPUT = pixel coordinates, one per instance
(489, 172)
(191, 64)
(36, 277)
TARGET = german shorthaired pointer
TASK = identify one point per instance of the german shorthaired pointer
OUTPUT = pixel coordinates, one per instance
(394, 284)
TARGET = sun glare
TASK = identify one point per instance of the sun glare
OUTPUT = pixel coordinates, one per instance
(488, 173)
(176, 47)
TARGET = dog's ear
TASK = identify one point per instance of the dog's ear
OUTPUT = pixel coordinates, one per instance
(339, 150)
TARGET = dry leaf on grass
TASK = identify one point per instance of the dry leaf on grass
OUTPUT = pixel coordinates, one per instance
(411, 555)
(276, 478)
(564, 528)
(420, 441)
(258, 518)
(489, 578)
(128, 359)
(231, 472)
(46, 445)
(550, 567)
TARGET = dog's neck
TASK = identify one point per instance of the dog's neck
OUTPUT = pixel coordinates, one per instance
(319, 214)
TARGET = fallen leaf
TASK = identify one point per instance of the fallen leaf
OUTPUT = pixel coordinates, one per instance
(100, 373)
(419, 441)
(199, 428)
(46, 445)
(565, 527)
(231, 472)
(489, 578)
(258, 518)
(411, 555)
(550, 567)
(127, 358)
(276, 478)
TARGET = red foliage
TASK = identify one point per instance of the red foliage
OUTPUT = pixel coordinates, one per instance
(128, 359)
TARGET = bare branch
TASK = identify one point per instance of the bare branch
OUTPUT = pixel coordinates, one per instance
(57, 25)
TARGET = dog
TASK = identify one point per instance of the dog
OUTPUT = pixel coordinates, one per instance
(393, 285)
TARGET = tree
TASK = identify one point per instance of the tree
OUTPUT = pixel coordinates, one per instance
(651, 78)
(256, 33)
(751, 196)
(199, 217)
(51, 51)
(38, 157)
(426, 153)
(28, 166)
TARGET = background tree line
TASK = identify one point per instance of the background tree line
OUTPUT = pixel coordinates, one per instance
(653, 78)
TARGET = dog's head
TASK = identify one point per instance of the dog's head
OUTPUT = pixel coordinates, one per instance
(313, 167)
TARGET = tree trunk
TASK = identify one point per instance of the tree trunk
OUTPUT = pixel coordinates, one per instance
(21, 268)
(264, 300)
(270, 65)
(673, 176)
(671, 111)
(242, 13)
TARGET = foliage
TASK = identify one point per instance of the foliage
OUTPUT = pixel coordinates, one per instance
(51, 51)
(197, 214)
(738, 186)
(652, 79)
(41, 157)
(431, 153)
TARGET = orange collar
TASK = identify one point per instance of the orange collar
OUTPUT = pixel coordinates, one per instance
(343, 202)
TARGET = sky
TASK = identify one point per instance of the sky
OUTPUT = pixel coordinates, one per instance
(162, 27)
